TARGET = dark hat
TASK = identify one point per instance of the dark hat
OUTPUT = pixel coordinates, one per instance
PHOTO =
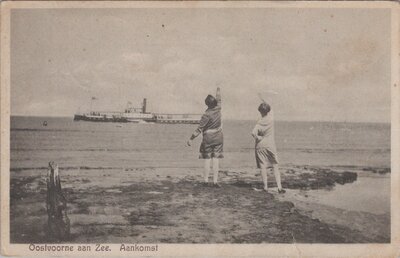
(264, 108)
(210, 101)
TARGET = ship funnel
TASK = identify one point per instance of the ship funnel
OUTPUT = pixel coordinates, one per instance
(144, 105)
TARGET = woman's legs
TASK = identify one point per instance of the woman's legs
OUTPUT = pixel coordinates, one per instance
(277, 176)
(215, 164)
(207, 163)
(263, 171)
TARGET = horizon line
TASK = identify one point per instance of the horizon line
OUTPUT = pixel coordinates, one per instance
(232, 119)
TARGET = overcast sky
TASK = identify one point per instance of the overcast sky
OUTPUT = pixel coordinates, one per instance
(324, 64)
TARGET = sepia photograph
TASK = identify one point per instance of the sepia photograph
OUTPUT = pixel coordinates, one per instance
(135, 127)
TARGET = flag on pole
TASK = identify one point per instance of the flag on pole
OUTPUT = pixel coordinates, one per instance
(94, 98)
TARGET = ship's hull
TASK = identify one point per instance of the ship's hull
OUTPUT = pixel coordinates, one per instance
(91, 118)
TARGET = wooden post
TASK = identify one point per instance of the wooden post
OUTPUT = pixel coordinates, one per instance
(58, 221)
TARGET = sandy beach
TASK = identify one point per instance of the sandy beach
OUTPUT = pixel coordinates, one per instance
(167, 205)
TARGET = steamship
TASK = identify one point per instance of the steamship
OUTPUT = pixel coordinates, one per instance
(137, 115)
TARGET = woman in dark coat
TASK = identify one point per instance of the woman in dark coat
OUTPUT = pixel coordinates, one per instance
(211, 148)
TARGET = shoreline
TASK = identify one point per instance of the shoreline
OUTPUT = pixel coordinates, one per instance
(172, 206)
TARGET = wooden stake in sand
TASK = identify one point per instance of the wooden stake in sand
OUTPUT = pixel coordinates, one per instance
(58, 221)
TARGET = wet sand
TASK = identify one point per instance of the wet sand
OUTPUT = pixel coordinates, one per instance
(168, 205)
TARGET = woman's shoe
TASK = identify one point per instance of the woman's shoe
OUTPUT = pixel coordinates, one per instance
(281, 191)
(217, 185)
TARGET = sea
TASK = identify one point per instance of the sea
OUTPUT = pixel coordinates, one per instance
(98, 145)
(128, 145)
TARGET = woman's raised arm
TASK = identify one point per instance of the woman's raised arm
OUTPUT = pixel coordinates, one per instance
(218, 97)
